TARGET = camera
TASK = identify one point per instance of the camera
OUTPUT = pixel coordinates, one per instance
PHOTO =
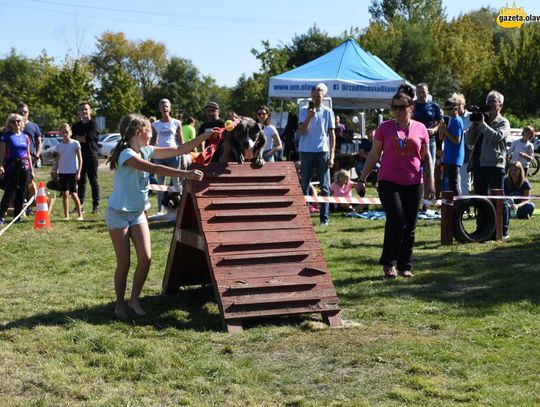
(478, 112)
(311, 104)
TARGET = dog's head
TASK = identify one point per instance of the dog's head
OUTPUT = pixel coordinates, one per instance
(170, 200)
(247, 132)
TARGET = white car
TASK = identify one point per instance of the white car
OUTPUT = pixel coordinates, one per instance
(48, 151)
(107, 142)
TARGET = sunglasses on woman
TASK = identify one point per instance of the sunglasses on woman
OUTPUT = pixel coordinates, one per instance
(398, 107)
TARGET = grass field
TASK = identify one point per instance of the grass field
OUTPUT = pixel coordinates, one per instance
(464, 331)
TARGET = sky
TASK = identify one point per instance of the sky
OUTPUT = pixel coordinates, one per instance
(217, 36)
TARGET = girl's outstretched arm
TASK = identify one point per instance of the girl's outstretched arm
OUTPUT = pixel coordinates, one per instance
(167, 152)
(143, 165)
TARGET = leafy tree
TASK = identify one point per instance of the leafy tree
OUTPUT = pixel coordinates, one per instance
(468, 54)
(117, 96)
(383, 41)
(146, 61)
(64, 88)
(218, 94)
(273, 60)
(20, 80)
(309, 46)
(143, 61)
(182, 83)
(516, 76)
(249, 93)
(386, 12)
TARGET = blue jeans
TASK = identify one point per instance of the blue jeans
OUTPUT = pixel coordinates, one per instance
(433, 149)
(523, 212)
(464, 179)
(319, 161)
(168, 162)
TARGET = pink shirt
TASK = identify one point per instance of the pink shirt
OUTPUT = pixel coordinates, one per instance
(338, 190)
(401, 159)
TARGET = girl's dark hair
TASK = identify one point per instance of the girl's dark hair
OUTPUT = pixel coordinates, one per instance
(129, 124)
(405, 92)
(406, 89)
(267, 121)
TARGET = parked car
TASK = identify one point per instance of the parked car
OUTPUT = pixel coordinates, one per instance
(515, 134)
(48, 150)
(107, 143)
(53, 134)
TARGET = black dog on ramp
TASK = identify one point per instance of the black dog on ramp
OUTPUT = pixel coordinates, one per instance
(246, 136)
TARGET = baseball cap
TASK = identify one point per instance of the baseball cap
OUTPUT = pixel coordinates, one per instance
(212, 104)
(322, 87)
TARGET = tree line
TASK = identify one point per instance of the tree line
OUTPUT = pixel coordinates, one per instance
(469, 54)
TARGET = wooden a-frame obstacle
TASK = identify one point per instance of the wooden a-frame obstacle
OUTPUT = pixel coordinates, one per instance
(248, 232)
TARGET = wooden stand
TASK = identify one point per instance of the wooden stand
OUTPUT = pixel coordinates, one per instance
(248, 232)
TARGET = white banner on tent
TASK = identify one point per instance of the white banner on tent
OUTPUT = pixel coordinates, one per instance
(295, 88)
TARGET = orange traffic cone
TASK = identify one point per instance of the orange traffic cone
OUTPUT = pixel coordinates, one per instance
(42, 219)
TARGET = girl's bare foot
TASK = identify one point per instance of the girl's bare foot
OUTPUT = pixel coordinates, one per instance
(136, 306)
(120, 312)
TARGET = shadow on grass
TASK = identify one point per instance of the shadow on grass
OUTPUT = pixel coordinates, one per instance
(185, 311)
(161, 224)
(478, 282)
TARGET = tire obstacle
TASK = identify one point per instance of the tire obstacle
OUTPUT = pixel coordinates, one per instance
(488, 228)
(248, 233)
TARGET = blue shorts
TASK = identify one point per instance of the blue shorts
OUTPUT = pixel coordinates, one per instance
(116, 219)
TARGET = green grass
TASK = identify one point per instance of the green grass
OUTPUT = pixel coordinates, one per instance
(464, 331)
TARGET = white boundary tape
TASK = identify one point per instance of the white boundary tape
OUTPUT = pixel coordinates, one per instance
(460, 197)
(19, 215)
(342, 200)
(365, 201)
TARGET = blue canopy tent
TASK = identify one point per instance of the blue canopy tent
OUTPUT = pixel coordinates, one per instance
(355, 78)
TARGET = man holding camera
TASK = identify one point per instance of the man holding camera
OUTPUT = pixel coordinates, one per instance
(487, 135)
(317, 143)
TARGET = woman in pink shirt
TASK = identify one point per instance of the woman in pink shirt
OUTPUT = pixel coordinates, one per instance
(400, 183)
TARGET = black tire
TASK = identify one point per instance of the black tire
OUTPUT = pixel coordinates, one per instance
(485, 223)
(534, 166)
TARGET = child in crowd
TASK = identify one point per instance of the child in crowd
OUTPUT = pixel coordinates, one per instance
(125, 216)
(67, 169)
(516, 184)
(522, 150)
(342, 186)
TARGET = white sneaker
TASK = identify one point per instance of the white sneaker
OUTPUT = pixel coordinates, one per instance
(324, 224)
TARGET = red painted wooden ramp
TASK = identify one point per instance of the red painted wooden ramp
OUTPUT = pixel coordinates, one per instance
(248, 232)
